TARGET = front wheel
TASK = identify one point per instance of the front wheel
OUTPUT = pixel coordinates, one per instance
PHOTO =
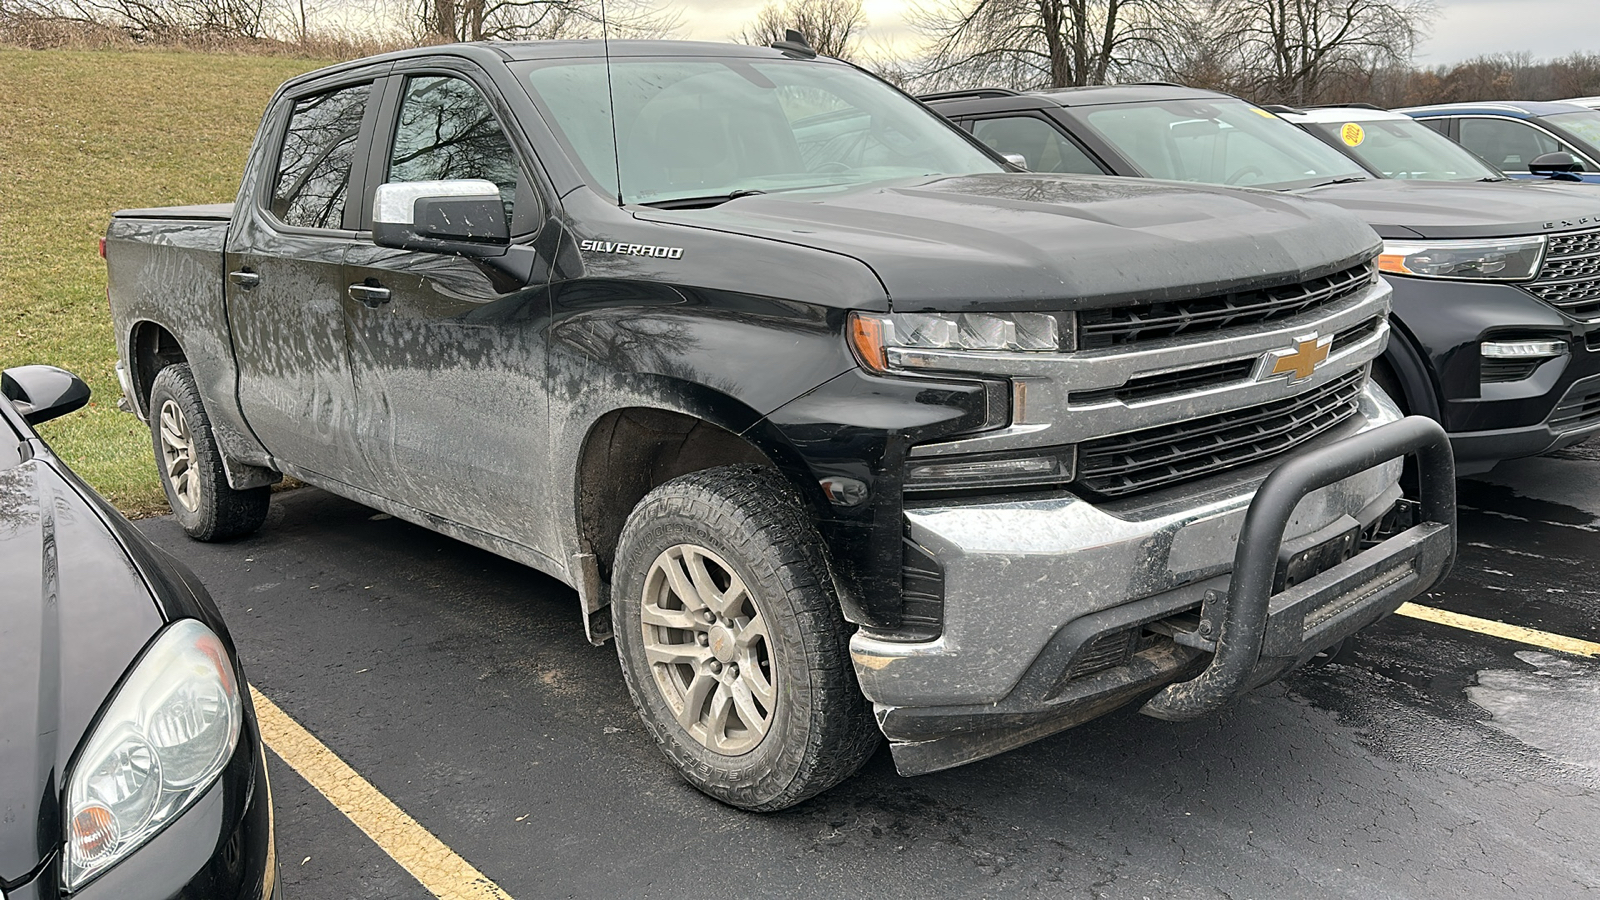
(197, 488)
(732, 643)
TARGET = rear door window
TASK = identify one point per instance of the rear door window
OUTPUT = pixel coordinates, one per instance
(1043, 145)
(447, 131)
(313, 177)
(1507, 143)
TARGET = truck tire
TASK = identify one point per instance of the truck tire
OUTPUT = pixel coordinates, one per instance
(732, 642)
(191, 465)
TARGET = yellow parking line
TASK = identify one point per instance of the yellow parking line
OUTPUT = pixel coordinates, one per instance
(1492, 628)
(445, 875)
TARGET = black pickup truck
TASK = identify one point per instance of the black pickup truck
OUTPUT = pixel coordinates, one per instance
(837, 423)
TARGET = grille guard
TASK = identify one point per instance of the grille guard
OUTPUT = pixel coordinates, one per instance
(1262, 634)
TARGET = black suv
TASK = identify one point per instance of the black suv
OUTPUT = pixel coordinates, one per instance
(1496, 285)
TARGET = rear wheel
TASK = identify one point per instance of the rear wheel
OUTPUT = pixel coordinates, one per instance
(191, 465)
(732, 643)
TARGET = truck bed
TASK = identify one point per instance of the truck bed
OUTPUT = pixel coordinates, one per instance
(166, 276)
(207, 212)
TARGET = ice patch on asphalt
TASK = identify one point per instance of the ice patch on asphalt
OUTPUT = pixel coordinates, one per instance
(1555, 707)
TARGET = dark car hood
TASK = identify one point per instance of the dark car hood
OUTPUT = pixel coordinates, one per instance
(1051, 241)
(74, 613)
(1437, 209)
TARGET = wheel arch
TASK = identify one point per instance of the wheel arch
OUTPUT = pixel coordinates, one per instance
(631, 450)
(151, 348)
(1412, 370)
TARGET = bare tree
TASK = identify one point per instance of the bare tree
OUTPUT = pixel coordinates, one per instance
(1038, 43)
(1287, 50)
(832, 27)
(481, 20)
(173, 19)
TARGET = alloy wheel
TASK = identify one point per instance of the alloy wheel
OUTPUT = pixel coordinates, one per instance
(709, 649)
(177, 455)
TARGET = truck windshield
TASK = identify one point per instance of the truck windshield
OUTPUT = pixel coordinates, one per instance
(1219, 142)
(1406, 149)
(720, 127)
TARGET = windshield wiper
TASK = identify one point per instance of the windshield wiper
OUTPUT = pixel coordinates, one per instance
(1350, 180)
(705, 202)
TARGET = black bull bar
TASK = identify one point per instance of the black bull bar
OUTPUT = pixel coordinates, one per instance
(1261, 633)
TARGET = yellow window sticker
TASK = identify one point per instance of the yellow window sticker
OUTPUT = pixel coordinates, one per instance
(1353, 134)
(1262, 113)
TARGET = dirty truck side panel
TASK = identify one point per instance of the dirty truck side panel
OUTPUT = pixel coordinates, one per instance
(451, 402)
(168, 273)
(294, 370)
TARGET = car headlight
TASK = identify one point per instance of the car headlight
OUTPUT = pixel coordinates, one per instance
(163, 739)
(875, 335)
(1502, 259)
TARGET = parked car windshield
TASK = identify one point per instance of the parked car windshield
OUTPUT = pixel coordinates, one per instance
(1219, 142)
(1584, 125)
(708, 128)
(1407, 149)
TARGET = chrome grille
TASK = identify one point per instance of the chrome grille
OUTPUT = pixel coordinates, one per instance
(1123, 325)
(1168, 384)
(1570, 277)
(1157, 457)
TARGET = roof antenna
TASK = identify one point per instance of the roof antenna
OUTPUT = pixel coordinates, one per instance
(795, 44)
(611, 100)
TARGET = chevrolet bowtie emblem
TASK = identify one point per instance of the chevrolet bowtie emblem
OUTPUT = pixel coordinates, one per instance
(1298, 362)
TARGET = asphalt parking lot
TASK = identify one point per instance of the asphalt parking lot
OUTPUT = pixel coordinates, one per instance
(1435, 762)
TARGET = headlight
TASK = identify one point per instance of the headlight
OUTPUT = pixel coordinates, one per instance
(163, 739)
(874, 335)
(1506, 259)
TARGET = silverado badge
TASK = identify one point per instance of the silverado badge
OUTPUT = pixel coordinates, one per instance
(1298, 362)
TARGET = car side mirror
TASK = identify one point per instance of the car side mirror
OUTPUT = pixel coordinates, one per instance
(463, 217)
(1558, 165)
(1016, 159)
(41, 393)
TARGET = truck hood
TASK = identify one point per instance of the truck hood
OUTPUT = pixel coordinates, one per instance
(74, 615)
(1437, 209)
(1011, 241)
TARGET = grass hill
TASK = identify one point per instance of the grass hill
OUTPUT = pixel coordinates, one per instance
(82, 134)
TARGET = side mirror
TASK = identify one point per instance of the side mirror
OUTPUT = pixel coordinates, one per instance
(1559, 166)
(1017, 159)
(463, 217)
(41, 393)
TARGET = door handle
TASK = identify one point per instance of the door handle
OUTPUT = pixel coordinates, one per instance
(369, 295)
(244, 278)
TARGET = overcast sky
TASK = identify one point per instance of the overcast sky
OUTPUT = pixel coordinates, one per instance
(1464, 28)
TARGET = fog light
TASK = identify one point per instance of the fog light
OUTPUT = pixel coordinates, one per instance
(1522, 349)
(969, 474)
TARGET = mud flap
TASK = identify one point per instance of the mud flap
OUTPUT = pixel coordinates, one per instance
(594, 597)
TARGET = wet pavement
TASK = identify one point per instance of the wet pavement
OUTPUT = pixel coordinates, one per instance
(1430, 762)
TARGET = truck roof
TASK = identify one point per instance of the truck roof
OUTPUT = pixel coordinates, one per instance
(590, 48)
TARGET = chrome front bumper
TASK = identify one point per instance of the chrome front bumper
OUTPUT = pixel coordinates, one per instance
(1017, 572)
